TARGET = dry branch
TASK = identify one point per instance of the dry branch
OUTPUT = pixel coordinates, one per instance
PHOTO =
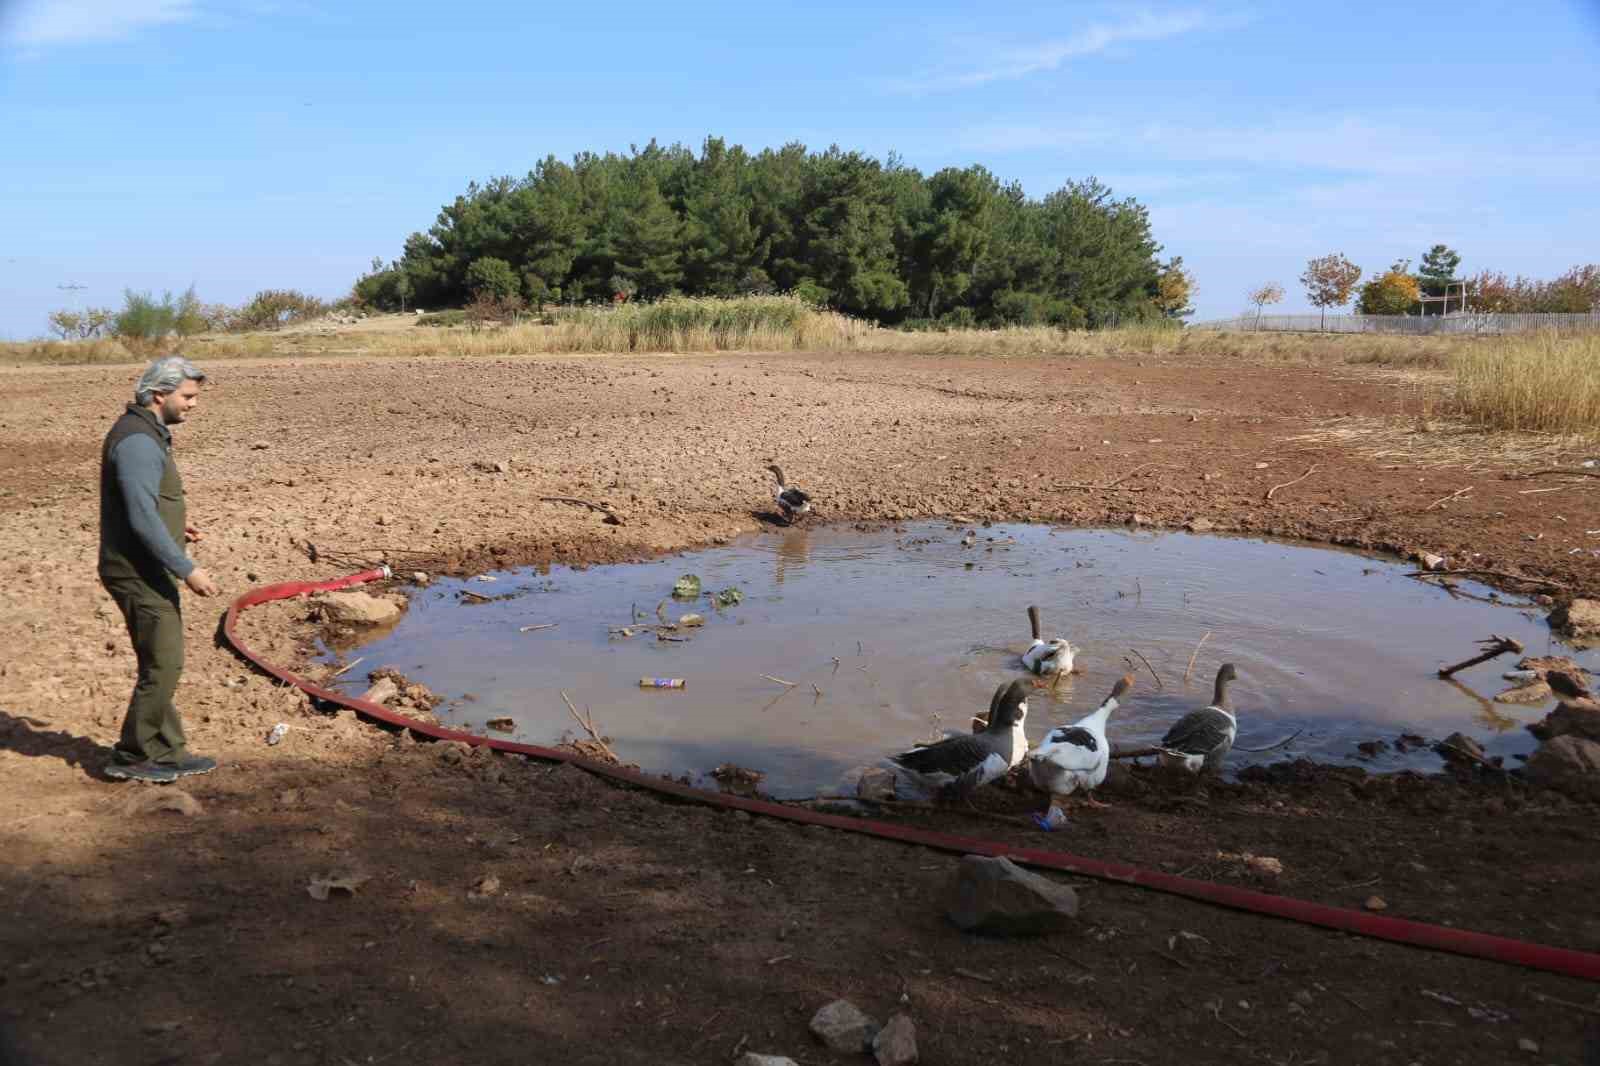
(1492, 647)
(588, 726)
(1112, 484)
(1196, 655)
(1152, 669)
(1309, 471)
(611, 516)
(1441, 501)
(1543, 473)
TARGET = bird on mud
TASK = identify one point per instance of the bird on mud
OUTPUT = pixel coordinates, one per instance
(1200, 740)
(792, 502)
(1044, 657)
(958, 766)
(1074, 758)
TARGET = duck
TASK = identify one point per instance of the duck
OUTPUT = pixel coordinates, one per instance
(791, 501)
(960, 765)
(1047, 656)
(1200, 740)
(1075, 758)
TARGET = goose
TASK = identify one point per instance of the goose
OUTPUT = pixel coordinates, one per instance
(1200, 740)
(791, 501)
(1075, 758)
(1047, 656)
(960, 765)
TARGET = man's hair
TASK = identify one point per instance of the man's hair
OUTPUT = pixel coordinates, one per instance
(164, 376)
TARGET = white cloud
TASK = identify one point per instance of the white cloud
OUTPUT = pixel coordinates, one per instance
(45, 23)
(1020, 62)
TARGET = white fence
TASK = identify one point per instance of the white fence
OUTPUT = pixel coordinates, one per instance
(1470, 323)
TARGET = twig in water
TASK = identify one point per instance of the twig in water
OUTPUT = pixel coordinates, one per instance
(476, 596)
(781, 681)
(588, 726)
(817, 690)
(1492, 647)
(611, 516)
(1487, 573)
(347, 667)
(1152, 669)
(1309, 471)
(1195, 656)
(1446, 499)
(535, 629)
(1271, 747)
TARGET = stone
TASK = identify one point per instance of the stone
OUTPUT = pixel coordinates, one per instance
(842, 1027)
(1460, 748)
(1567, 763)
(1579, 619)
(1537, 692)
(896, 1042)
(877, 784)
(1138, 520)
(502, 725)
(1200, 525)
(1376, 903)
(486, 886)
(382, 691)
(167, 799)
(998, 897)
(356, 608)
(750, 1058)
(1570, 719)
(1430, 561)
(1530, 1046)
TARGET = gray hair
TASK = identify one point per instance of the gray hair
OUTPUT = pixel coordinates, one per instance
(164, 376)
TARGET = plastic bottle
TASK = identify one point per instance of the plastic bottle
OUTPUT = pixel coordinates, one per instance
(661, 682)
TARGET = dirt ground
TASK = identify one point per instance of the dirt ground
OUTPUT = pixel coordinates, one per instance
(620, 927)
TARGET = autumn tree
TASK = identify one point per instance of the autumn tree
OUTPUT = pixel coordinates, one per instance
(1270, 293)
(1330, 280)
(1175, 289)
(1394, 292)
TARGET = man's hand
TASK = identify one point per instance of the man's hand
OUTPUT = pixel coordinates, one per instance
(191, 534)
(200, 583)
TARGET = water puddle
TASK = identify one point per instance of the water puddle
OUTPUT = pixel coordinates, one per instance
(889, 637)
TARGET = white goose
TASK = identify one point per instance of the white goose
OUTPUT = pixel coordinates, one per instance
(1074, 758)
(1047, 656)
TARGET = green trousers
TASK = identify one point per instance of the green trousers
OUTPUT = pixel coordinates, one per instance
(152, 730)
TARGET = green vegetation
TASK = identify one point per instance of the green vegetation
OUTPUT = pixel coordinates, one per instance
(875, 240)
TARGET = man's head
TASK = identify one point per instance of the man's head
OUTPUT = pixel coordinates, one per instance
(170, 387)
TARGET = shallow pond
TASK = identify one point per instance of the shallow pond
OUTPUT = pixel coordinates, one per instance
(890, 636)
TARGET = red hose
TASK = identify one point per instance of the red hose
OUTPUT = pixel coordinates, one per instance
(1481, 945)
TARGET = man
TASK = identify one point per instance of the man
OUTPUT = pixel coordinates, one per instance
(142, 528)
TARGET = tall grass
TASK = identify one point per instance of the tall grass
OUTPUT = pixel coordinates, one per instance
(1543, 383)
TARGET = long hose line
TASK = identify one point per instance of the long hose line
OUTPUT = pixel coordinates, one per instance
(1563, 961)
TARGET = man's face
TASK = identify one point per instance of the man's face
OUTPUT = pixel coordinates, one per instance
(175, 406)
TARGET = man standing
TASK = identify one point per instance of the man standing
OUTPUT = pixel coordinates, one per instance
(142, 528)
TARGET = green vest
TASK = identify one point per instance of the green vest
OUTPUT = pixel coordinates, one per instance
(122, 554)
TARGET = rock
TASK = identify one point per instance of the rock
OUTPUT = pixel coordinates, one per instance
(502, 725)
(166, 799)
(355, 608)
(1376, 903)
(896, 1042)
(1372, 748)
(1567, 763)
(1530, 1046)
(1579, 618)
(1535, 692)
(454, 752)
(1430, 561)
(1264, 865)
(419, 577)
(1200, 525)
(484, 887)
(1138, 520)
(1460, 748)
(843, 1027)
(876, 783)
(1569, 719)
(998, 897)
(750, 1058)
(382, 691)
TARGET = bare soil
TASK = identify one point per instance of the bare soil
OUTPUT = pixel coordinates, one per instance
(515, 912)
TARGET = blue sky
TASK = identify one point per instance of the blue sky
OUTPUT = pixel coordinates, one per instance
(250, 144)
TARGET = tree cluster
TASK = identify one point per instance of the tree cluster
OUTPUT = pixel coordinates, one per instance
(841, 229)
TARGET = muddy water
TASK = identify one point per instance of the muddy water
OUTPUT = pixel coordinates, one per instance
(892, 636)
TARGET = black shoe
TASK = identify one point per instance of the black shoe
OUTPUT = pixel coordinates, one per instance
(190, 765)
(148, 772)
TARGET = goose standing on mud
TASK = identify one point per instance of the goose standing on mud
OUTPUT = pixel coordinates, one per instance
(962, 764)
(791, 501)
(1200, 740)
(1075, 758)
(1047, 656)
